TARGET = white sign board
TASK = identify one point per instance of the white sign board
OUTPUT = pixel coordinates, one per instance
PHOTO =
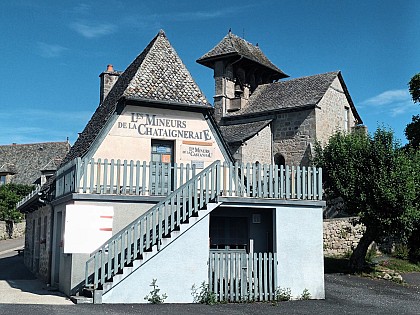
(197, 152)
(87, 227)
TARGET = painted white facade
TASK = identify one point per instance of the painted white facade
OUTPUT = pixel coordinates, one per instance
(299, 247)
(68, 269)
(131, 135)
(176, 267)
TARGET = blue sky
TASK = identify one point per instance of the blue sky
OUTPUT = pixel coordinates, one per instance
(51, 52)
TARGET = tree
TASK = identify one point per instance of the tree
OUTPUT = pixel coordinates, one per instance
(412, 131)
(377, 182)
(414, 88)
(10, 194)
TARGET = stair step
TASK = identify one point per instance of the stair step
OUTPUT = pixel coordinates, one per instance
(81, 300)
(126, 271)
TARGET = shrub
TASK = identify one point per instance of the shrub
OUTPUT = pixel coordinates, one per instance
(283, 294)
(154, 297)
(305, 295)
(401, 251)
(203, 295)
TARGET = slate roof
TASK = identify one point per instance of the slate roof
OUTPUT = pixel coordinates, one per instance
(242, 132)
(52, 165)
(157, 74)
(288, 94)
(279, 96)
(27, 160)
(234, 45)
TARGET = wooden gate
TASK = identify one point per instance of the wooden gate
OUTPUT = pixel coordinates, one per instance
(238, 276)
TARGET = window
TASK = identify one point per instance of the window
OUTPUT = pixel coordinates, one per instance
(2, 179)
(279, 160)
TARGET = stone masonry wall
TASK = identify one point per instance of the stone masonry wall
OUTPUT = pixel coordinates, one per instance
(258, 148)
(293, 135)
(330, 115)
(341, 235)
(11, 230)
(38, 240)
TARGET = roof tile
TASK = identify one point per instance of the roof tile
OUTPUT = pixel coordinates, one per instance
(156, 74)
(288, 94)
(27, 160)
(232, 44)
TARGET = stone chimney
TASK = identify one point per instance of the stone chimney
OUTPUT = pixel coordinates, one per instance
(108, 79)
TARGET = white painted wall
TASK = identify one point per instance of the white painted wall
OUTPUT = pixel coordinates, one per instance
(299, 245)
(176, 267)
(127, 139)
(72, 266)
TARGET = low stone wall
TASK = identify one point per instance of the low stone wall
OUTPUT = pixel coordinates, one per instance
(341, 235)
(11, 230)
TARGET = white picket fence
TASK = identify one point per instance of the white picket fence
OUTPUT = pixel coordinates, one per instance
(240, 277)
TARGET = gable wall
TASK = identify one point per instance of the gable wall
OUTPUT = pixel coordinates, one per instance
(131, 135)
(258, 148)
(330, 115)
(293, 135)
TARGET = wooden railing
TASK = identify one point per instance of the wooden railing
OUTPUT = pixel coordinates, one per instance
(227, 180)
(271, 181)
(239, 277)
(149, 229)
(159, 179)
(116, 177)
(29, 196)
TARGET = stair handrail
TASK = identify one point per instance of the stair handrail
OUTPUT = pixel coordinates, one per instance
(202, 198)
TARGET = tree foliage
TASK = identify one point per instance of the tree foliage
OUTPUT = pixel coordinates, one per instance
(412, 130)
(377, 181)
(10, 194)
(414, 88)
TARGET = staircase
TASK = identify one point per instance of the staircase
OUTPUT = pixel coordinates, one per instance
(146, 236)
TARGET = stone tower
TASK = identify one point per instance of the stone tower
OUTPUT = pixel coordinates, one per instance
(239, 67)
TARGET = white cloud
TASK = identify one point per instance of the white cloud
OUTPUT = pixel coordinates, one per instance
(392, 103)
(388, 97)
(155, 21)
(90, 30)
(50, 50)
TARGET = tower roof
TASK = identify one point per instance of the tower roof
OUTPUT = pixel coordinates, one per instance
(232, 45)
(157, 74)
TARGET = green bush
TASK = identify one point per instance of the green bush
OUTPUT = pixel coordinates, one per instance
(305, 295)
(10, 194)
(203, 295)
(401, 251)
(154, 297)
(283, 294)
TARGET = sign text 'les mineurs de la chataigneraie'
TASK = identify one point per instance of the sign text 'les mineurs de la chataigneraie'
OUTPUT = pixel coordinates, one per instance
(151, 125)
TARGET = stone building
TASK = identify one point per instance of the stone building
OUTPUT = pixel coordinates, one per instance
(32, 163)
(267, 120)
(148, 191)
